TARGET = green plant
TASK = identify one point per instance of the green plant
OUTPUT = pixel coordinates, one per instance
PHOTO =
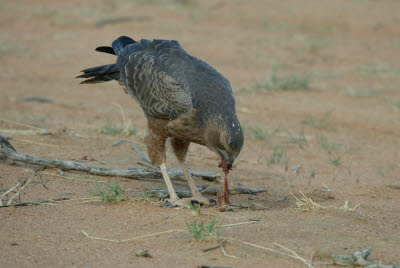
(336, 162)
(286, 82)
(367, 93)
(289, 82)
(276, 156)
(196, 209)
(384, 171)
(324, 144)
(255, 133)
(320, 123)
(118, 131)
(114, 194)
(312, 175)
(378, 68)
(300, 140)
(286, 162)
(201, 230)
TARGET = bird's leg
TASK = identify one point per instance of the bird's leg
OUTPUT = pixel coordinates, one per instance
(196, 195)
(172, 194)
(180, 148)
(156, 150)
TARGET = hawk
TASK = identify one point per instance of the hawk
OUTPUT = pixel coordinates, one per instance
(184, 99)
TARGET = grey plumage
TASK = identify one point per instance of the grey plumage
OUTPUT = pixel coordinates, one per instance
(166, 81)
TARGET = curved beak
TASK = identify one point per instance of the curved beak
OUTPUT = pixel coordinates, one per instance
(228, 160)
(229, 165)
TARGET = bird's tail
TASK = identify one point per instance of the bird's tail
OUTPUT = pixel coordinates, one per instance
(100, 74)
(117, 46)
(107, 72)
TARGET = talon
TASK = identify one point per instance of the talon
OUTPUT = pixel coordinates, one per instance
(193, 201)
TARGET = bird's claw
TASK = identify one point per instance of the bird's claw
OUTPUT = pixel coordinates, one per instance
(212, 201)
(186, 202)
(170, 203)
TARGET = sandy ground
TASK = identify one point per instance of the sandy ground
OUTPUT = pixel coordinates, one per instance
(343, 132)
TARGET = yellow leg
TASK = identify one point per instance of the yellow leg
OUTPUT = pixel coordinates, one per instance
(170, 187)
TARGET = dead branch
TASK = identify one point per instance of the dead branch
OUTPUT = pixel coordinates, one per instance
(204, 189)
(28, 132)
(142, 155)
(212, 248)
(7, 192)
(32, 203)
(28, 180)
(183, 193)
(5, 141)
(133, 173)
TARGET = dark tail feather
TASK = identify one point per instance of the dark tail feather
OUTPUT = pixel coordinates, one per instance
(120, 43)
(100, 74)
(109, 50)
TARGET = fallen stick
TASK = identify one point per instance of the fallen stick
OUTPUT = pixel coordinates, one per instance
(212, 248)
(28, 180)
(183, 193)
(142, 155)
(32, 203)
(133, 173)
(163, 193)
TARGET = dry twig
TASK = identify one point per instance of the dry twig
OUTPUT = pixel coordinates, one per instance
(307, 204)
(204, 189)
(28, 180)
(32, 203)
(134, 173)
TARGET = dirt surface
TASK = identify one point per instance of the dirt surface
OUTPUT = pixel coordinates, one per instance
(336, 140)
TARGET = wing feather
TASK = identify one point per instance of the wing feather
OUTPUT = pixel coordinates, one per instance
(148, 79)
(168, 82)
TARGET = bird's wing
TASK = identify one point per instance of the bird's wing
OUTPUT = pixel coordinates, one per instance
(218, 81)
(153, 72)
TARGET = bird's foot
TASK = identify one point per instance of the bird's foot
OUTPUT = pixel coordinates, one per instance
(186, 202)
(202, 201)
(169, 203)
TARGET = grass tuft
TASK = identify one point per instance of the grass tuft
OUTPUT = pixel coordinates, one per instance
(336, 162)
(286, 82)
(255, 133)
(324, 144)
(323, 122)
(196, 209)
(307, 204)
(289, 82)
(300, 140)
(277, 155)
(201, 230)
(114, 194)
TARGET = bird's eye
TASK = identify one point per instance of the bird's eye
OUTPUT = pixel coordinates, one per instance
(220, 146)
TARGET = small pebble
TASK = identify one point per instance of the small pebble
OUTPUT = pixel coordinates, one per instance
(143, 253)
(282, 199)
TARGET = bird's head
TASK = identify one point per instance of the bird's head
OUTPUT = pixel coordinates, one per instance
(225, 138)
